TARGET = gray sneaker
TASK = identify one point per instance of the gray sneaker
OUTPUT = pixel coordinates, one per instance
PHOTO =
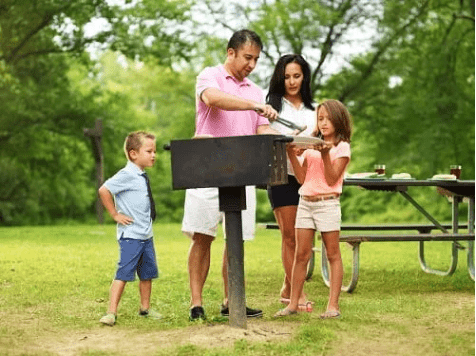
(108, 319)
(150, 313)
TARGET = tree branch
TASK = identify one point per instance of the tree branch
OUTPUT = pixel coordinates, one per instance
(217, 17)
(331, 38)
(465, 17)
(45, 22)
(383, 48)
(41, 52)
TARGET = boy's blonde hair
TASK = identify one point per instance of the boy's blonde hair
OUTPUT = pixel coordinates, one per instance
(135, 140)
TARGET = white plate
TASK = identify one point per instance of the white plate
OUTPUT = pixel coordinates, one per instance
(443, 177)
(306, 141)
(402, 176)
(365, 175)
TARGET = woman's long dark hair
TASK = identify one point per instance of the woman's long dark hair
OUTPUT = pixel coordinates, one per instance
(276, 86)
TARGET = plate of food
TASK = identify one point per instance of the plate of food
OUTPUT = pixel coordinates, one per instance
(366, 175)
(443, 177)
(306, 141)
(402, 176)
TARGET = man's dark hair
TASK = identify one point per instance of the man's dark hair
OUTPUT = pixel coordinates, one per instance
(241, 37)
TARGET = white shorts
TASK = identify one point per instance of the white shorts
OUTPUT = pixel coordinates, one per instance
(323, 216)
(202, 214)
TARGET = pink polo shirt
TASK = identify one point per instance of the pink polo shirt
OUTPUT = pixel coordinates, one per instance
(315, 181)
(221, 123)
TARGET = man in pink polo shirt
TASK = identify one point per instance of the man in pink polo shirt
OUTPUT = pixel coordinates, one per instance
(227, 104)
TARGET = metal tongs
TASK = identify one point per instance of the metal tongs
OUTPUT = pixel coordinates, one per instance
(288, 123)
(291, 125)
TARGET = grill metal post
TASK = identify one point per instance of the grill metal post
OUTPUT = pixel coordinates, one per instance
(232, 202)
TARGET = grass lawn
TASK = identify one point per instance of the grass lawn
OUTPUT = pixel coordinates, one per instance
(54, 285)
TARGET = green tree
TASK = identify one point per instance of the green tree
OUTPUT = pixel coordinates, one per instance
(48, 95)
(416, 111)
(419, 101)
(163, 102)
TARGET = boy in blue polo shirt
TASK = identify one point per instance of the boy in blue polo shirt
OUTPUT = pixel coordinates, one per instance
(128, 199)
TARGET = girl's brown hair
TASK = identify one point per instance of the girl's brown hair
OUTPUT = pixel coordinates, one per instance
(340, 118)
(135, 140)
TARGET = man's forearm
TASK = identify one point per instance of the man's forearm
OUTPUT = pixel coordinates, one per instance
(216, 98)
(266, 130)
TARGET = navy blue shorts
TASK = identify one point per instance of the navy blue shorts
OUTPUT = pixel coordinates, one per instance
(136, 256)
(285, 194)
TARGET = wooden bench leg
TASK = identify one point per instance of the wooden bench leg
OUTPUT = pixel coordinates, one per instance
(349, 288)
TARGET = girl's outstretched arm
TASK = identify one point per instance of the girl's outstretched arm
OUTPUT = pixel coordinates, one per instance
(299, 170)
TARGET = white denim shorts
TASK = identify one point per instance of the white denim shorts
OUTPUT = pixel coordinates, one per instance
(202, 214)
(323, 216)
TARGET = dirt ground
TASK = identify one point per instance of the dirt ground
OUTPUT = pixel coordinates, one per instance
(405, 336)
(125, 342)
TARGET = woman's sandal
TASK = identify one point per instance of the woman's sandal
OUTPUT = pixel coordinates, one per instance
(285, 301)
(285, 312)
(305, 306)
(330, 314)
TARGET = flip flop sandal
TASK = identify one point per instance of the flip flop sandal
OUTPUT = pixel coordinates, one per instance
(285, 312)
(307, 307)
(285, 301)
(330, 314)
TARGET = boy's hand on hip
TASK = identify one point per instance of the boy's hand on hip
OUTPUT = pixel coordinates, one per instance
(122, 219)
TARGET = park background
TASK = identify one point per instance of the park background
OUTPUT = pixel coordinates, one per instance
(405, 69)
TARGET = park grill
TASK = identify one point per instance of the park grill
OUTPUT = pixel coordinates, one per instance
(229, 161)
(230, 164)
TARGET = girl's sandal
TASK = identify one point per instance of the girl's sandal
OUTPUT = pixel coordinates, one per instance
(330, 314)
(306, 307)
(285, 312)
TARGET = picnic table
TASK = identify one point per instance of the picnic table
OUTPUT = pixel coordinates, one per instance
(456, 189)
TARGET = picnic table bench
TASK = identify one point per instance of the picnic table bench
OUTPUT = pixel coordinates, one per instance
(374, 233)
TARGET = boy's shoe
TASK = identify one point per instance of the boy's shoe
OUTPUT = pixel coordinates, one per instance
(250, 313)
(108, 319)
(150, 313)
(197, 313)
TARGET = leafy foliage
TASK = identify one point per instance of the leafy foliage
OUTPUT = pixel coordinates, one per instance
(410, 88)
(49, 93)
(163, 102)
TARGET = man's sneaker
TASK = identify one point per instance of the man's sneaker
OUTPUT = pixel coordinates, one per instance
(150, 313)
(197, 313)
(108, 319)
(250, 313)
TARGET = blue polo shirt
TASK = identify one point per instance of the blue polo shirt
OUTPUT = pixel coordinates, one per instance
(130, 194)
